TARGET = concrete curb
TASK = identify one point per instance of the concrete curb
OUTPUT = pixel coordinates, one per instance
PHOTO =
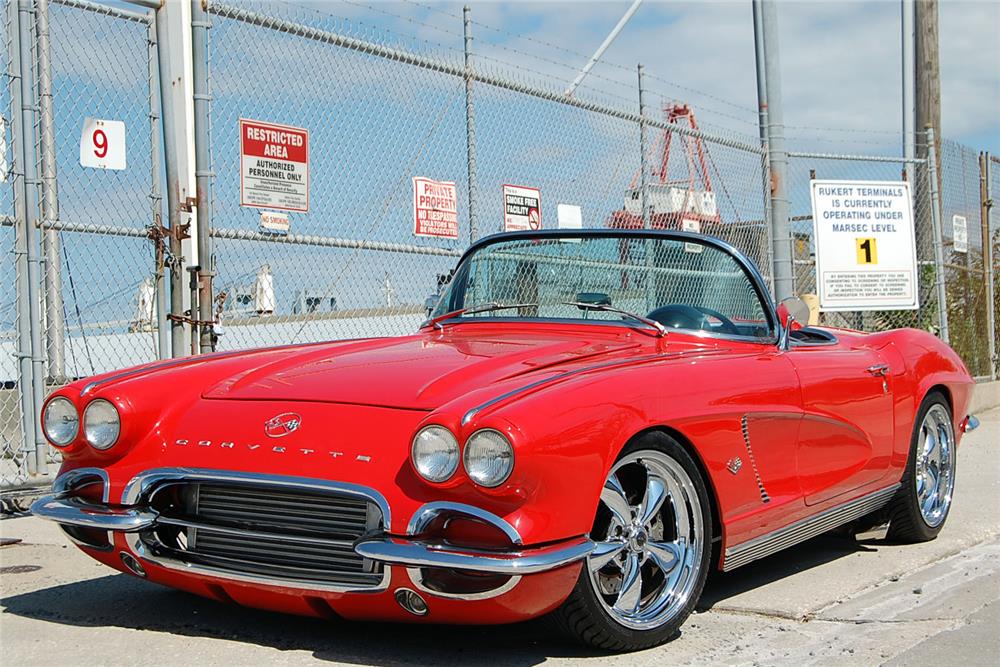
(985, 397)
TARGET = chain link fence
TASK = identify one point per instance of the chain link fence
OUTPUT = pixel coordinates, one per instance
(965, 238)
(380, 109)
(992, 191)
(95, 282)
(13, 466)
(379, 115)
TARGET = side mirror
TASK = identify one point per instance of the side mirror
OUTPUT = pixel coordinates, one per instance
(430, 303)
(793, 313)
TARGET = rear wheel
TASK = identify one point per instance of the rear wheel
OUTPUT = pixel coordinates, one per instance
(653, 544)
(918, 511)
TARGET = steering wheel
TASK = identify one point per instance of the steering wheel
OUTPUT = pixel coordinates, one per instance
(683, 316)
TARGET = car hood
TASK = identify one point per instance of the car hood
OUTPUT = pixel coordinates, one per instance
(423, 371)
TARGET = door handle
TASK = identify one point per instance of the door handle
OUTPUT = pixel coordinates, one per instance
(879, 370)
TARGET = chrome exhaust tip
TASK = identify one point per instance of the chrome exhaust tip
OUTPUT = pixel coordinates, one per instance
(411, 602)
(133, 564)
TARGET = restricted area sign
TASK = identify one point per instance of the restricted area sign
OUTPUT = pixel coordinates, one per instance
(102, 144)
(522, 208)
(435, 208)
(274, 166)
(866, 256)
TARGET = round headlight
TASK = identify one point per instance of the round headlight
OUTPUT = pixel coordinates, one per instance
(435, 453)
(60, 421)
(489, 458)
(101, 424)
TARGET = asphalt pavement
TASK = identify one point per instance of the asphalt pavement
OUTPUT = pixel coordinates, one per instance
(832, 601)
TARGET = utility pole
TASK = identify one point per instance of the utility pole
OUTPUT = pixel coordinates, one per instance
(927, 84)
(781, 234)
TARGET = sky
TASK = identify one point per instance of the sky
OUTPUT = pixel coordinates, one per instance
(840, 61)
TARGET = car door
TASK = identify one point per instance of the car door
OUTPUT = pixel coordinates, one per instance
(846, 434)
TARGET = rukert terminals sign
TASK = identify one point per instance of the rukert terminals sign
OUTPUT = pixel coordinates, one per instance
(865, 251)
(274, 166)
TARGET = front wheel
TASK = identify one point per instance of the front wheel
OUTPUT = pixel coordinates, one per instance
(653, 544)
(919, 509)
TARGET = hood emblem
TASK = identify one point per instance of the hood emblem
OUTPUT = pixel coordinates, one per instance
(281, 425)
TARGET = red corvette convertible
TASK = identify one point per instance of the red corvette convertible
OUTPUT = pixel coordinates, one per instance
(587, 424)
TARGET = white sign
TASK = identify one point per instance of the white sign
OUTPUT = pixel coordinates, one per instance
(960, 233)
(570, 216)
(274, 223)
(435, 208)
(274, 166)
(522, 208)
(102, 144)
(866, 256)
(689, 225)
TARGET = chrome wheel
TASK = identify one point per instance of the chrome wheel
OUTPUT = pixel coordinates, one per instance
(649, 536)
(934, 473)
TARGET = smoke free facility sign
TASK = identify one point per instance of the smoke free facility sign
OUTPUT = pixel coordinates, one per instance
(274, 166)
(866, 255)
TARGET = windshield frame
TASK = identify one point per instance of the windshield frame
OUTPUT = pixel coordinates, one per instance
(749, 269)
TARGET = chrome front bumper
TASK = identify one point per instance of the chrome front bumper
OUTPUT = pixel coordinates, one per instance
(407, 551)
(413, 553)
(70, 511)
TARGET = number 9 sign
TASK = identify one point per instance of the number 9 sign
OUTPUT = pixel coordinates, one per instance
(102, 144)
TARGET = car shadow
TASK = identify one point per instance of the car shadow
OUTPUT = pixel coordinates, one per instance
(123, 601)
(789, 562)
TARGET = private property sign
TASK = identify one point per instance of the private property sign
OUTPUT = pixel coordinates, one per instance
(435, 208)
(866, 256)
(522, 208)
(274, 166)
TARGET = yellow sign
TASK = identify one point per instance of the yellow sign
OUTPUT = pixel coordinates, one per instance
(867, 251)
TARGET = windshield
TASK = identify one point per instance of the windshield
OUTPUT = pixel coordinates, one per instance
(677, 282)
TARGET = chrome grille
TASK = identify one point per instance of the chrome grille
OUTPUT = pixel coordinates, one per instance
(283, 534)
(293, 512)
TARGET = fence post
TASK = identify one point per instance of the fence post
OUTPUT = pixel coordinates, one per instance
(200, 23)
(986, 204)
(643, 149)
(170, 127)
(155, 193)
(762, 126)
(55, 326)
(22, 240)
(470, 125)
(937, 233)
(30, 221)
(781, 237)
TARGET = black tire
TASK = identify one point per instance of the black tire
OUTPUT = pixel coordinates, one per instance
(583, 617)
(906, 521)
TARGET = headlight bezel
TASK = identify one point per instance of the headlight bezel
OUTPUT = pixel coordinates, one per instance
(46, 431)
(99, 403)
(455, 455)
(467, 451)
